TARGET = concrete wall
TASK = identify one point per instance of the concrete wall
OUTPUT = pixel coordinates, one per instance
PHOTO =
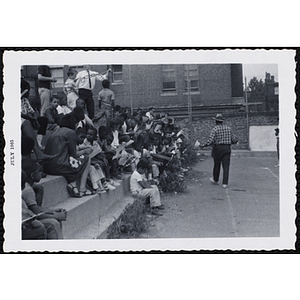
(238, 122)
(262, 138)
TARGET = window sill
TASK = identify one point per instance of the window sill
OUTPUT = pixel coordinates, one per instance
(117, 83)
(192, 93)
(168, 94)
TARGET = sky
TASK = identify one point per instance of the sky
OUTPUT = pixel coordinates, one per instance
(259, 71)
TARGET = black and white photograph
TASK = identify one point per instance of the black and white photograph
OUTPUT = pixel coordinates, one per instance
(149, 150)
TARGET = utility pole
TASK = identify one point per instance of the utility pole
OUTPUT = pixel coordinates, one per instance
(130, 90)
(189, 103)
(247, 113)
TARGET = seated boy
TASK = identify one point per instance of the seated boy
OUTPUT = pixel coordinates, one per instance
(139, 186)
(91, 147)
(32, 229)
(52, 115)
(86, 122)
(49, 218)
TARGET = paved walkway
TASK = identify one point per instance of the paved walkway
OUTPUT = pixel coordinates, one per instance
(248, 208)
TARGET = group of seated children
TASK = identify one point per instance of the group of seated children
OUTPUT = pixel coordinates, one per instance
(94, 156)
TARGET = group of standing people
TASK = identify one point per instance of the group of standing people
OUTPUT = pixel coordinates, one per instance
(78, 85)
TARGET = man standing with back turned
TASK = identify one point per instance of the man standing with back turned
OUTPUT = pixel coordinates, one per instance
(85, 81)
(221, 137)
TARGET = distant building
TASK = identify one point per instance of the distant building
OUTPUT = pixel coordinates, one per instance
(267, 99)
(160, 85)
(272, 93)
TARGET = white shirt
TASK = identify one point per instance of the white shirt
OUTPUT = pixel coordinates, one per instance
(115, 143)
(135, 187)
(149, 115)
(82, 79)
(63, 109)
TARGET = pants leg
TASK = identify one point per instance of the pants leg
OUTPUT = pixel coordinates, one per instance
(34, 231)
(53, 228)
(225, 165)
(43, 121)
(87, 96)
(90, 106)
(45, 96)
(217, 164)
(95, 175)
(154, 195)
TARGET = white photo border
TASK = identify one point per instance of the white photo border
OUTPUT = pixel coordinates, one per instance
(284, 58)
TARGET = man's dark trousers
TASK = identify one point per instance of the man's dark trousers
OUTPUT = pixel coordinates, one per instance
(87, 96)
(221, 155)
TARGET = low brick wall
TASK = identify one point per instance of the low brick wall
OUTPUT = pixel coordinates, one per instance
(202, 126)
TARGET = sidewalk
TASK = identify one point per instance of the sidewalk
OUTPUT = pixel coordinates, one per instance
(248, 208)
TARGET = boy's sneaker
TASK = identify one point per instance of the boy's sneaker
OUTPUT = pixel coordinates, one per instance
(110, 187)
(105, 185)
(113, 183)
(160, 207)
(225, 186)
(213, 181)
(100, 189)
(155, 212)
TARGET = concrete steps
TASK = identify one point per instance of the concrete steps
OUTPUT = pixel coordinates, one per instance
(89, 216)
(111, 215)
(98, 228)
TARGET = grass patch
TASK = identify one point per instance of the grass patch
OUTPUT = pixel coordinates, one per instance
(132, 222)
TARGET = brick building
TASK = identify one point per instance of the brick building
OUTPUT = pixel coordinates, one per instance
(271, 96)
(161, 86)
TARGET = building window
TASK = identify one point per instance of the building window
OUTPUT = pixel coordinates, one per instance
(117, 73)
(194, 87)
(169, 79)
(191, 73)
(276, 90)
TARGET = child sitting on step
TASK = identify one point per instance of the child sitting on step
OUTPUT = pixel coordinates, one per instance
(51, 114)
(31, 228)
(96, 175)
(140, 186)
(98, 158)
(153, 171)
(49, 218)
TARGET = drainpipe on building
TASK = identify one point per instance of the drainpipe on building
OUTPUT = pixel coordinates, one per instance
(130, 90)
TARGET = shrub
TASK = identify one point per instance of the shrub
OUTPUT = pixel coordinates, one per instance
(190, 156)
(171, 182)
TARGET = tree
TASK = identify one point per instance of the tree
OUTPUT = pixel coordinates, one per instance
(256, 88)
